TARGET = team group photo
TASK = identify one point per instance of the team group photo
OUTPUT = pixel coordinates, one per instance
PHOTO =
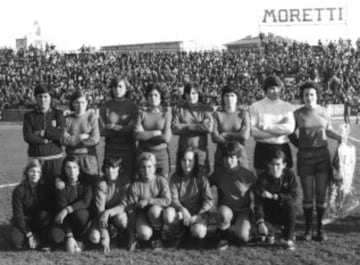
(176, 152)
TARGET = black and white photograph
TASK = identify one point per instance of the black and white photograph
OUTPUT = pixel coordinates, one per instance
(180, 132)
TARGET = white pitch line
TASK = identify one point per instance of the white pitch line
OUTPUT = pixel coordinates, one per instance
(8, 185)
(354, 139)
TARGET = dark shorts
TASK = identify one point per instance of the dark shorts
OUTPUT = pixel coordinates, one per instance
(263, 153)
(313, 161)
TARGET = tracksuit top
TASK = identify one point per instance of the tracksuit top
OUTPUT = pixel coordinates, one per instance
(52, 122)
(28, 202)
(78, 196)
(285, 187)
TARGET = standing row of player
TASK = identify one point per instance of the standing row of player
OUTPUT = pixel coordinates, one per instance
(150, 203)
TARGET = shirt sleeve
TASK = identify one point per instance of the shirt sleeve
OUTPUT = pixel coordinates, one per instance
(84, 200)
(244, 132)
(205, 126)
(129, 128)
(29, 136)
(177, 126)
(122, 205)
(206, 196)
(215, 134)
(175, 200)
(290, 192)
(67, 139)
(61, 198)
(164, 197)
(94, 135)
(18, 210)
(133, 195)
(102, 121)
(285, 127)
(100, 196)
(254, 121)
(258, 189)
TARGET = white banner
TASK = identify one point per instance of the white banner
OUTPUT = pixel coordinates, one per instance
(320, 15)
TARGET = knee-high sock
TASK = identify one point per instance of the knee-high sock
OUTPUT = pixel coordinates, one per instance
(308, 212)
(320, 214)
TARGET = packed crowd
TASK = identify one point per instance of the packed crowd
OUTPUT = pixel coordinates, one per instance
(334, 66)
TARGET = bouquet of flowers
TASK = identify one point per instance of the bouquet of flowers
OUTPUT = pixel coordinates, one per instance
(340, 199)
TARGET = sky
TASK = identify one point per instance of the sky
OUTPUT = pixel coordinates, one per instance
(69, 24)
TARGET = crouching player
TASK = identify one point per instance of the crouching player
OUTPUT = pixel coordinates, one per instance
(109, 198)
(234, 188)
(73, 202)
(191, 199)
(149, 194)
(31, 209)
(275, 196)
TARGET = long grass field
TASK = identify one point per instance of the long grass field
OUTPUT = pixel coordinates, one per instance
(342, 247)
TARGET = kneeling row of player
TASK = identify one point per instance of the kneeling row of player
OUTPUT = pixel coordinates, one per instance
(150, 206)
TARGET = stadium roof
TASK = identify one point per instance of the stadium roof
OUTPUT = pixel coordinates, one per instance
(244, 41)
(250, 41)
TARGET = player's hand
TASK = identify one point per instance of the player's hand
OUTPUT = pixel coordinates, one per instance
(186, 216)
(143, 203)
(33, 242)
(59, 184)
(225, 134)
(157, 133)
(105, 242)
(40, 133)
(261, 125)
(195, 219)
(71, 245)
(104, 218)
(59, 219)
(84, 136)
(267, 195)
(117, 127)
(109, 126)
(262, 229)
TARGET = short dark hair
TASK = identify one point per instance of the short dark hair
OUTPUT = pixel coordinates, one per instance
(179, 171)
(77, 94)
(196, 87)
(42, 89)
(150, 87)
(111, 162)
(114, 82)
(228, 89)
(69, 158)
(307, 85)
(270, 81)
(277, 154)
(233, 148)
